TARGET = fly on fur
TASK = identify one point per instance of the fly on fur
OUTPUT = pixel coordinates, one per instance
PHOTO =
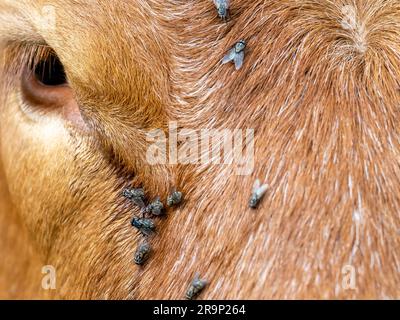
(174, 198)
(258, 192)
(156, 208)
(144, 225)
(222, 8)
(236, 54)
(142, 253)
(195, 287)
(137, 196)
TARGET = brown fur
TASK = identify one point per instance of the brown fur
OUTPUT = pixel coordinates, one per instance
(323, 99)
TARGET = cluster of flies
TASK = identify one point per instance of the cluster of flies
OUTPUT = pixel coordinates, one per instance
(146, 225)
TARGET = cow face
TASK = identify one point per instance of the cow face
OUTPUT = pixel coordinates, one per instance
(101, 96)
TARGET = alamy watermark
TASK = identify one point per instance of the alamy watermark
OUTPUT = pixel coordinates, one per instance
(202, 147)
(349, 278)
(49, 278)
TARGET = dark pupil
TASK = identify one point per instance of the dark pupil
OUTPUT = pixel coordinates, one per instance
(50, 72)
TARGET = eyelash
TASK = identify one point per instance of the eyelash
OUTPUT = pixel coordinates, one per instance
(19, 58)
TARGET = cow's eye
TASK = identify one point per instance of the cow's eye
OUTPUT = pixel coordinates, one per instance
(50, 71)
(44, 86)
(45, 90)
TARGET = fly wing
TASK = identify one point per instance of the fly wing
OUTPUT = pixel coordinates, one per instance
(261, 190)
(230, 56)
(139, 202)
(219, 2)
(256, 185)
(146, 231)
(238, 58)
